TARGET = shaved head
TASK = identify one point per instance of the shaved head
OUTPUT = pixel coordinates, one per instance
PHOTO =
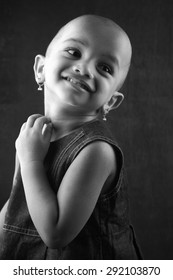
(99, 26)
(92, 19)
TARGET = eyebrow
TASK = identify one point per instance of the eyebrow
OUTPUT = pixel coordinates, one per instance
(112, 58)
(82, 42)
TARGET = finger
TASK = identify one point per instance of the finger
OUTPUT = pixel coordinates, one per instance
(40, 122)
(47, 131)
(23, 127)
(31, 119)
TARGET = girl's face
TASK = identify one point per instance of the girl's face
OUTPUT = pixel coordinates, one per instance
(84, 66)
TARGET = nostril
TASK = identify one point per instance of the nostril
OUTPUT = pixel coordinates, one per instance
(76, 69)
(83, 71)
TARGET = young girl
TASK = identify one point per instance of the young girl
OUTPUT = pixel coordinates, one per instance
(69, 197)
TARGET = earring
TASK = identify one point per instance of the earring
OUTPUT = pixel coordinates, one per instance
(104, 118)
(105, 112)
(40, 86)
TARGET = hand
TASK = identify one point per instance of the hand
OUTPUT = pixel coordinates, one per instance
(34, 139)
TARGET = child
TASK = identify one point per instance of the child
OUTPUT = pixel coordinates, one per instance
(69, 198)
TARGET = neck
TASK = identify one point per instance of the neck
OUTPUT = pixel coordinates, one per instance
(64, 121)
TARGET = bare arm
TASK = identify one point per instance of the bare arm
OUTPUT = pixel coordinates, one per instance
(60, 218)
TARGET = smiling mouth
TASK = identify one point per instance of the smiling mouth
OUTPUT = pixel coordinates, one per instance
(78, 83)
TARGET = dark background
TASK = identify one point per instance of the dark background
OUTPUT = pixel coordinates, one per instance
(143, 123)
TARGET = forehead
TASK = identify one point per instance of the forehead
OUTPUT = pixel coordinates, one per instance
(89, 26)
(100, 35)
(93, 31)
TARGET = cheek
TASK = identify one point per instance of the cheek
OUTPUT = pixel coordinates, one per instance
(108, 88)
(52, 73)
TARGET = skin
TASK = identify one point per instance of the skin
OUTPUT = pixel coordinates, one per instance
(90, 63)
(77, 52)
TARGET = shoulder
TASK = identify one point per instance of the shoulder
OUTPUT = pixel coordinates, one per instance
(101, 149)
(100, 155)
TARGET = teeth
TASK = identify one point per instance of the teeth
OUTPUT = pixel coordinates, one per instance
(77, 83)
(70, 80)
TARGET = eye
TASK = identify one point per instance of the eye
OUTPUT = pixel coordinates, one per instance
(73, 52)
(105, 68)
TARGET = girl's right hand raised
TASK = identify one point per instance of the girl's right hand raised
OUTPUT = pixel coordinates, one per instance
(34, 139)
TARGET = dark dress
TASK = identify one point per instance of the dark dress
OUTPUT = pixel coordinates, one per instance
(106, 235)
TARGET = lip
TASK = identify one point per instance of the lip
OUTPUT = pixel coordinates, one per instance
(79, 83)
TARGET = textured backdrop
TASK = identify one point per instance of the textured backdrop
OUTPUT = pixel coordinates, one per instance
(143, 124)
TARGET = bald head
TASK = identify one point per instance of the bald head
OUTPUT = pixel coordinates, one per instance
(93, 20)
(103, 29)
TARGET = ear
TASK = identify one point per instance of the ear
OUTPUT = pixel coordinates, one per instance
(39, 68)
(115, 101)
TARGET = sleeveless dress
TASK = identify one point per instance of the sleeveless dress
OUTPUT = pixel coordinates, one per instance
(107, 234)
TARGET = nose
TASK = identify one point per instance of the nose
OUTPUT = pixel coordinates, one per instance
(83, 70)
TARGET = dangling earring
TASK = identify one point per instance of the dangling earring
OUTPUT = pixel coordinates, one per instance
(40, 86)
(39, 82)
(105, 112)
(104, 117)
